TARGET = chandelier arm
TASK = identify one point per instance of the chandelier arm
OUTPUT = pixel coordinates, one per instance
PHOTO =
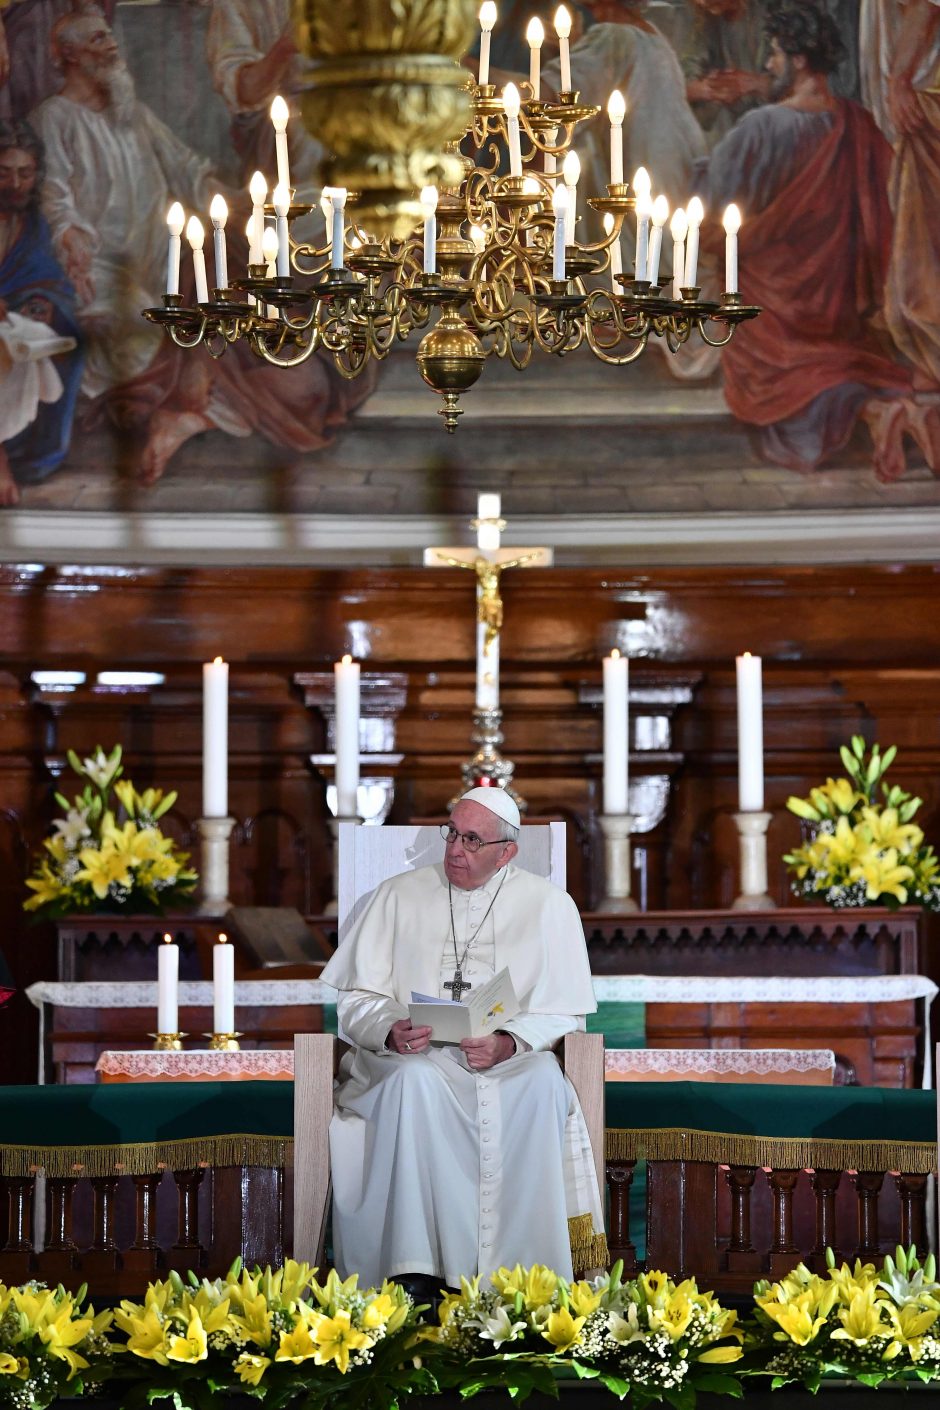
(714, 342)
(193, 340)
(604, 351)
(308, 260)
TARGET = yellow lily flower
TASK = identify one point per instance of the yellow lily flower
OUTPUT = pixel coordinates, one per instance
(336, 1337)
(795, 1319)
(101, 868)
(656, 1287)
(13, 1365)
(46, 886)
(674, 1318)
(191, 1347)
(720, 1355)
(882, 875)
(861, 1320)
(251, 1368)
(910, 1323)
(254, 1321)
(378, 1311)
(584, 1299)
(562, 1330)
(297, 1345)
(842, 846)
(541, 1284)
(507, 1281)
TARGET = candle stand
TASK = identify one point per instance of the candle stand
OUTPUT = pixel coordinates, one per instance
(616, 828)
(332, 906)
(488, 767)
(167, 1042)
(752, 832)
(223, 1042)
(214, 875)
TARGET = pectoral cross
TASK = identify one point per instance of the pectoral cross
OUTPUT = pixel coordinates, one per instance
(457, 985)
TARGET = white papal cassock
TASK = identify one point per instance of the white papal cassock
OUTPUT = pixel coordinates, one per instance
(437, 1169)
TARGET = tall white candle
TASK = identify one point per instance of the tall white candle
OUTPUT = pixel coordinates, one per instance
(281, 207)
(223, 986)
(616, 255)
(560, 208)
(218, 214)
(488, 514)
(750, 734)
(535, 35)
(644, 210)
(326, 210)
(487, 696)
(215, 739)
(660, 216)
(732, 223)
(487, 21)
(258, 190)
(678, 226)
(549, 137)
(338, 237)
(616, 734)
(511, 105)
(616, 108)
(196, 237)
(175, 220)
(695, 214)
(279, 116)
(168, 971)
(429, 206)
(571, 172)
(346, 678)
(563, 30)
(269, 260)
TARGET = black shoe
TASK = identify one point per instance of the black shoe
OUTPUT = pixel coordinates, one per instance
(422, 1288)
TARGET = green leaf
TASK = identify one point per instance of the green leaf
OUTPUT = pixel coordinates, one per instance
(616, 1385)
(858, 746)
(888, 758)
(719, 1384)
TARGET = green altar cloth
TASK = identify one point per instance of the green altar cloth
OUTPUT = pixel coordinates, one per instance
(139, 1127)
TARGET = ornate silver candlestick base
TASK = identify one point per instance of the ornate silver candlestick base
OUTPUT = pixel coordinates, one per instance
(332, 905)
(752, 832)
(616, 828)
(213, 891)
(488, 765)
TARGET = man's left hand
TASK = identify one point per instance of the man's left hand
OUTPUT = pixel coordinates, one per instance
(487, 1052)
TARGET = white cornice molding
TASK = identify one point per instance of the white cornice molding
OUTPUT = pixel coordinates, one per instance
(829, 537)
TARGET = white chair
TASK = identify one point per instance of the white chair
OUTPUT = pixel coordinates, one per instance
(367, 857)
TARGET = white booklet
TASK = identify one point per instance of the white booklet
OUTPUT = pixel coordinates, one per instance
(482, 1011)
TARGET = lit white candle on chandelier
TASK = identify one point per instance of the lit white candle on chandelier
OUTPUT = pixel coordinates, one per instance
(346, 736)
(279, 116)
(175, 220)
(695, 214)
(616, 255)
(196, 237)
(535, 35)
(571, 172)
(616, 110)
(326, 210)
(488, 514)
(616, 734)
(750, 733)
(677, 227)
(560, 208)
(644, 209)
(269, 260)
(563, 30)
(732, 223)
(660, 216)
(258, 190)
(215, 739)
(281, 207)
(223, 986)
(549, 137)
(511, 105)
(429, 206)
(487, 21)
(168, 971)
(338, 237)
(218, 214)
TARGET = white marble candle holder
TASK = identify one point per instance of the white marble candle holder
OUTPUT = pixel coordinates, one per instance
(332, 905)
(214, 836)
(752, 833)
(616, 828)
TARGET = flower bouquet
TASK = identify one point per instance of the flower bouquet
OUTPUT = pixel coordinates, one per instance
(863, 851)
(866, 1323)
(108, 853)
(648, 1337)
(46, 1341)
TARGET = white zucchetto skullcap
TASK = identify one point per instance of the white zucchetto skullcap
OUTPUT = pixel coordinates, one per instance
(497, 800)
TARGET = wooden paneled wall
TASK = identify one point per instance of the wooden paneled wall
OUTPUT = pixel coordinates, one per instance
(845, 650)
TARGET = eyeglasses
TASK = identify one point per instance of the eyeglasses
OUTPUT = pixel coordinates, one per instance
(469, 840)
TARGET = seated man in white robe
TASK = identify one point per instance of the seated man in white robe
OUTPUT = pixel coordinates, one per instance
(448, 1160)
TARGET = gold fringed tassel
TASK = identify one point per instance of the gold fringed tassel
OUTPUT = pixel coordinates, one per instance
(146, 1157)
(777, 1152)
(588, 1250)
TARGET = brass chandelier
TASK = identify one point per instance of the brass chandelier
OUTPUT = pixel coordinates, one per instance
(491, 267)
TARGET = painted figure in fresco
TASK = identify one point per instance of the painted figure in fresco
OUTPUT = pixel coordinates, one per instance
(40, 357)
(900, 66)
(722, 58)
(809, 172)
(27, 71)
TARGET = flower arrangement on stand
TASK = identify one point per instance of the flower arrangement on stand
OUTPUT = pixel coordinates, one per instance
(863, 850)
(108, 853)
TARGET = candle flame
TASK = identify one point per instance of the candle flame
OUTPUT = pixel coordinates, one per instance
(571, 169)
(347, 660)
(487, 15)
(279, 114)
(732, 220)
(217, 660)
(176, 218)
(660, 211)
(695, 211)
(258, 189)
(511, 100)
(562, 22)
(168, 939)
(535, 33)
(195, 233)
(223, 938)
(616, 106)
(615, 653)
(218, 211)
(642, 185)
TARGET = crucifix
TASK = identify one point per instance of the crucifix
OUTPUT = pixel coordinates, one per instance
(488, 561)
(457, 985)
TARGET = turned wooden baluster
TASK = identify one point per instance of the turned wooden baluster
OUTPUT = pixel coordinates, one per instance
(104, 1190)
(145, 1210)
(20, 1190)
(825, 1185)
(867, 1188)
(740, 1181)
(187, 1185)
(619, 1180)
(59, 1192)
(784, 1253)
(912, 1192)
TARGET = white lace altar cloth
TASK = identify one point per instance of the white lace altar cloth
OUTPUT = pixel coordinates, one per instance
(803, 1066)
(258, 1064)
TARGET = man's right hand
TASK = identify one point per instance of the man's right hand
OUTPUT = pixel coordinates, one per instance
(404, 1039)
(76, 259)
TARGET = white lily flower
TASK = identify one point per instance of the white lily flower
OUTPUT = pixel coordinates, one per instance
(624, 1330)
(73, 827)
(98, 768)
(499, 1328)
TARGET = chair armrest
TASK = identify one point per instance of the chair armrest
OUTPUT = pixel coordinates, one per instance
(315, 1057)
(583, 1059)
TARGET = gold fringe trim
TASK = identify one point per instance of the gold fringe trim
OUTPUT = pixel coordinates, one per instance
(146, 1157)
(588, 1250)
(778, 1152)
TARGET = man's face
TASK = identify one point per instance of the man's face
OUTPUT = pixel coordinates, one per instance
(94, 48)
(17, 179)
(780, 67)
(468, 870)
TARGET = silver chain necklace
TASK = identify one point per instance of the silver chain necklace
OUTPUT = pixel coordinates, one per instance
(458, 984)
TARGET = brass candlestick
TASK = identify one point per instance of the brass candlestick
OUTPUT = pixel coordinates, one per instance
(167, 1042)
(223, 1042)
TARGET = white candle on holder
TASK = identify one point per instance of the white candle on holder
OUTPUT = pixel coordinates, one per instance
(223, 986)
(218, 214)
(616, 109)
(695, 215)
(644, 210)
(560, 208)
(487, 21)
(196, 237)
(258, 190)
(279, 116)
(616, 734)
(563, 30)
(338, 237)
(281, 207)
(550, 137)
(660, 216)
(571, 172)
(175, 220)
(616, 255)
(488, 514)
(429, 206)
(326, 210)
(215, 739)
(750, 734)
(346, 773)
(168, 971)
(732, 223)
(511, 105)
(535, 35)
(678, 226)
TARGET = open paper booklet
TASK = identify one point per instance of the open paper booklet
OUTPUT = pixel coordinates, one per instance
(482, 1012)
